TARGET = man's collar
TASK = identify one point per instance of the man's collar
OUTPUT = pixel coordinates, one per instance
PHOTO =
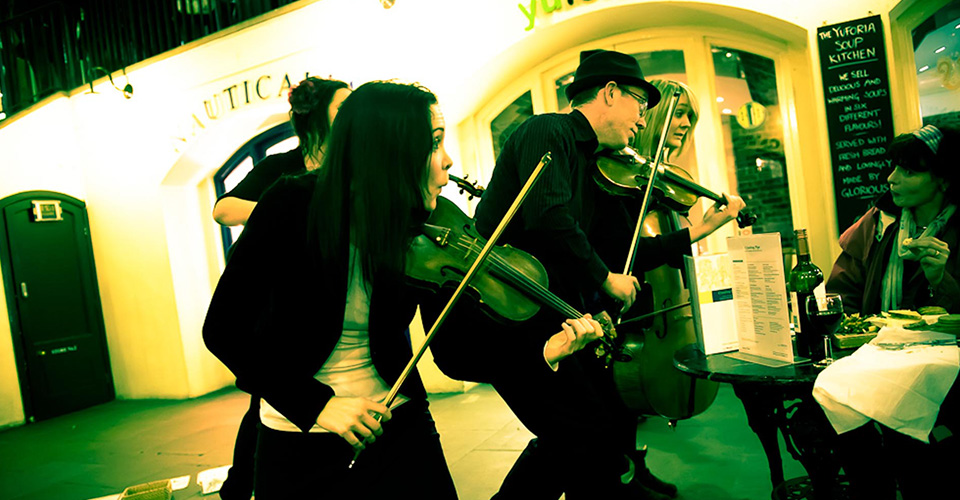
(583, 131)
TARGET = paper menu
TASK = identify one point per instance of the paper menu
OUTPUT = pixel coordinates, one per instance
(717, 310)
(760, 297)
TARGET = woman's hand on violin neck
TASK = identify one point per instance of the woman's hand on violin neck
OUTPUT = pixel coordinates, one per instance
(716, 216)
(575, 335)
(622, 287)
(354, 419)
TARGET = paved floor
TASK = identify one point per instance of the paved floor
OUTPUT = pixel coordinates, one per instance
(98, 451)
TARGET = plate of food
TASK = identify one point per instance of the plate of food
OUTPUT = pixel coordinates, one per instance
(909, 319)
(902, 318)
(855, 330)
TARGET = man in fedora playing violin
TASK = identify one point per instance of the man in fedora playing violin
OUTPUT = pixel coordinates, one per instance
(610, 98)
(574, 422)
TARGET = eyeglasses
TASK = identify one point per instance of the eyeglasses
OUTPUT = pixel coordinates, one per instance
(642, 101)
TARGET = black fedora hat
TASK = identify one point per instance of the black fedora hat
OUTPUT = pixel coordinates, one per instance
(597, 67)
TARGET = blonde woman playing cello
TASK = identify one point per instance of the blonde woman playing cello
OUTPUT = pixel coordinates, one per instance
(611, 237)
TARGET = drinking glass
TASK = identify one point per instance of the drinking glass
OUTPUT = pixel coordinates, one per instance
(825, 312)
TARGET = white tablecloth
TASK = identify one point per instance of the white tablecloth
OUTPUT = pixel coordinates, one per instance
(902, 389)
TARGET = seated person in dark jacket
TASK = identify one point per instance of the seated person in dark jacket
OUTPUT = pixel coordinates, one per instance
(901, 254)
(917, 219)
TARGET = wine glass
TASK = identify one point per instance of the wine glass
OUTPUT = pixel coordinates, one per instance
(825, 313)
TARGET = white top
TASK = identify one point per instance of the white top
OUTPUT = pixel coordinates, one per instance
(349, 369)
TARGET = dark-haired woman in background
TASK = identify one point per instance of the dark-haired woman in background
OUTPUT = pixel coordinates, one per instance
(313, 105)
(901, 255)
(312, 308)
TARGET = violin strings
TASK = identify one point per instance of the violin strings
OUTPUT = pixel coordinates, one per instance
(529, 285)
(518, 278)
(536, 288)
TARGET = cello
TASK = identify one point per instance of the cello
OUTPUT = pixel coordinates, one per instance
(644, 375)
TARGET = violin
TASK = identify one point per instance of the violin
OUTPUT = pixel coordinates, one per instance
(605, 350)
(482, 253)
(649, 384)
(511, 285)
(626, 173)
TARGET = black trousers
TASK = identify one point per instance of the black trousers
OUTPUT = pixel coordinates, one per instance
(579, 448)
(406, 459)
(239, 482)
(878, 460)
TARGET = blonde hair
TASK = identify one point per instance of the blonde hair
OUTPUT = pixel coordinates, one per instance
(647, 140)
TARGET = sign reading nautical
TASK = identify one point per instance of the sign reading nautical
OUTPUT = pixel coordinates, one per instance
(232, 97)
(859, 119)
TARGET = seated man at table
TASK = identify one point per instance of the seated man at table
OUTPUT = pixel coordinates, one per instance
(899, 255)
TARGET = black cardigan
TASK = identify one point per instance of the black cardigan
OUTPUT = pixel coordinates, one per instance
(276, 315)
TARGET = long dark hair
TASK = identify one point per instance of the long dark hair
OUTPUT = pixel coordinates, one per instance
(309, 111)
(370, 189)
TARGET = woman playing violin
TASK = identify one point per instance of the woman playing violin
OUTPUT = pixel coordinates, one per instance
(321, 337)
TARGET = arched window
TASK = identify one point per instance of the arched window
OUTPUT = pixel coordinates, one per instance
(278, 139)
(738, 146)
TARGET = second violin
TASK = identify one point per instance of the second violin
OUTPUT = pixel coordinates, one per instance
(625, 172)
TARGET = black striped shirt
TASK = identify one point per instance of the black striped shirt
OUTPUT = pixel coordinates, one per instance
(553, 222)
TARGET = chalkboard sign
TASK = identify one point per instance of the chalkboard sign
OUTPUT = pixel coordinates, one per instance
(859, 119)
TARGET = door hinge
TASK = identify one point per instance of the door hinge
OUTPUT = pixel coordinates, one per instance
(23, 289)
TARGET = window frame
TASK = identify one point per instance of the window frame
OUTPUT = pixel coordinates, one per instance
(255, 149)
(904, 84)
(483, 118)
(701, 77)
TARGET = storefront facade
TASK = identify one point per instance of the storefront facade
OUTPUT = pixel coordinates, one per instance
(145, 166)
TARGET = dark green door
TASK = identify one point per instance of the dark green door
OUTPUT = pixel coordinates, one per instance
(54, 303)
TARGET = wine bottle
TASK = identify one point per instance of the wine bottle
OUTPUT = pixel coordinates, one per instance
(804, 277)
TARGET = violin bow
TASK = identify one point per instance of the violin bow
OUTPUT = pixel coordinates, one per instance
(654, 172)
(544, 161)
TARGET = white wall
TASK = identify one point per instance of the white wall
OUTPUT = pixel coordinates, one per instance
(143, 165)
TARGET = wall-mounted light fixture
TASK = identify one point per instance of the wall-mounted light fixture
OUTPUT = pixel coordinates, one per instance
(387, 3)
(127, 89)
